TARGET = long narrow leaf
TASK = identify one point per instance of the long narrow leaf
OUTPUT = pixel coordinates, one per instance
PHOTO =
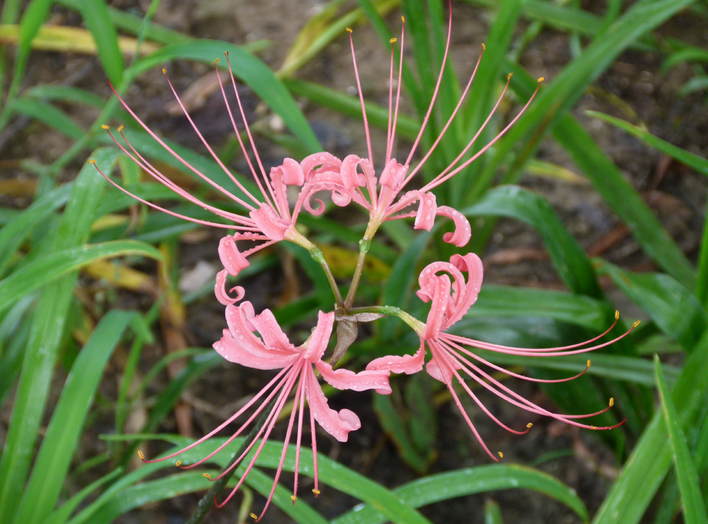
(615, 190)
(98, 22)
(59, 263)
(570, 260)
(468, 481)
(694, 511)
(251, 70)
(59, 443)
(696, 162)
(674, 308)
(47, 330)
(651, 458)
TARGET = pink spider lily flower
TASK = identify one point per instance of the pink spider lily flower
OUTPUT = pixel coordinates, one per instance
(453, 356)
(273, 350)
(382, 196)
(268, 217)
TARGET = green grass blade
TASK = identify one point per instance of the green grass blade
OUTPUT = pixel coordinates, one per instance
(694, 511)
(351, 106)
(624, 200)
(12, 350)
(481, 97)
(34, 16)
(681, 155)
(65, 94)
(248, 68)
(189, 482)
(572, 264)
(609, 181)
(45, 337)
(562, 17)
(61, 515)
(399, 286)
(132, 24)
(49, 115)
(567, 87)
(492, 512)
(59, 443)
(331, 474)
(468, 481)
(39, 272)
(674, 308)
(393, 423)
(98, 22)
(650, 460)
(496, 301)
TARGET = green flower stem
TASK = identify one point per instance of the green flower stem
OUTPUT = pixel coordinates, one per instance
(298, 238)
(392, 311)
(364, 245)
(318, 256)
(208, 500)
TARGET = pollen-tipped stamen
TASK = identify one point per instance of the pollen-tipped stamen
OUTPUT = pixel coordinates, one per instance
(435, 91)
(392, 125)
(206, 144)
(444, 177)
(176, 155)
(361, 99)
(448, 123)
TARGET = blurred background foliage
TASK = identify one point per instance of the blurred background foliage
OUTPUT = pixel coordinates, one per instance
(106, 306)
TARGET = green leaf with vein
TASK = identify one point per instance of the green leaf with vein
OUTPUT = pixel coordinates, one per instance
(698, 163)
(572, 264)
(46, 333)
(98, 21)
(644, 471)
(34, 275)
(62, 436)
(248, 68)
(331, 473)
(674, 308)
(614, 189)
(468, 481)
(694, 511)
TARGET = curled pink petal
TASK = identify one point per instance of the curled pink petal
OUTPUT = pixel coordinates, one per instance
(362, 381)
(290, 172)
(320, 162)
(393, 175)
(439, 308)
(220, 290)
(407, 364)
(463, 231)
(239, 344)
(337, 424)
(350, 177)
(425, 216)
(231, 258)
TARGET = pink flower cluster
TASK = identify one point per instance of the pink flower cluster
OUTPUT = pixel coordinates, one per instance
(257, 341)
